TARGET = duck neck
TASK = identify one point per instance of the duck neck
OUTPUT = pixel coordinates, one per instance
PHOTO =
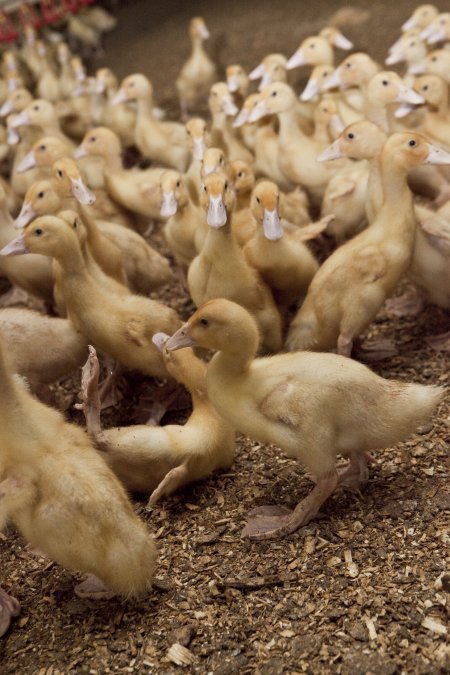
(377, 113)
(242, 200)
(197, 46)
(71, 261)
(221, 238)
(289, 129)
(8, 389)
(397, 197)
(93, 234)
(375, 195)
(144, 106)
(113, 162)
(238, 355)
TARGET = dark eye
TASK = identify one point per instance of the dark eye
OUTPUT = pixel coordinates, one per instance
(43, 147)
(425, 87)
(385, 83)
(434, 59)
(178, 183)
(38, 232)
(60, 173)
(348, 65)
(258, 200)
(204, 322)
(313, 46)
(93, 139)
(221, 160)
(40, 195)
(35, 107)
(75, 224)
(274, 93)
(226, 185)
(240, 174)
(350, 136)
(412, 44)
(412, 143)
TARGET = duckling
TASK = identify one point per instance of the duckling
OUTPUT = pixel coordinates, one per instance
(271, 69)
(41, 349)
(62, 497)
(44, 152)
(355, 280)
(134, 189)
(164, 142)
(438, 30)
(221, 107)
(422, 16)
(410, 49)
(33, 274)
(67, 79)
(336, 38)
(296, 151)
(220, 269)
(41, 113)
(436, 122)
(161, 460)
(237, 82)
(183, 217)
(242, 181)
(354, 71)
(120, 118)
(199, 72)
(283, 261)
(121, 326)
(381, 91)
(437, 62)
(199, 140)
(286, 398)
(313, 51)
(47, 86)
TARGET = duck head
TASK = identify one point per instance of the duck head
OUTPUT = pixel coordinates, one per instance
(265, 208)
(217, 198)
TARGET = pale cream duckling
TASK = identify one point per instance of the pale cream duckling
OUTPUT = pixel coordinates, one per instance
(383, 90)
(242, 181)
(42, 349)
(422, 16)
(222, 107)
(183, 217)
(280, 257)
(410, 49)
(355, 280)
(121, 118)
(161, 460)
(199, 72)
(327, 120)
(287, 398)
(220, 269)
(67, 79)
(64, 500)
(353, 73)
(437, 62)
(296, 152)
(134, 189)
(199, 141)
(438, 30)
(119, 325)
(163, 142)
(273, 68)
(42, 114)
(47, 86)
(436, 122)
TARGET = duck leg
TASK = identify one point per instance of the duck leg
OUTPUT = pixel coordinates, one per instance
(90, 399)
(376, 350)
(409, 304)
(92, 587)
(263, 526)
(109, 391)
(355, 475)
(174, 479)
(9, 608)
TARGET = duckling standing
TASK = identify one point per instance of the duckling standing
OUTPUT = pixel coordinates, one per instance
(313, 406)
(199, 72)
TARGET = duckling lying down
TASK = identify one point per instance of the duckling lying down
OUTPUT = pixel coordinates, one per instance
(312, 405)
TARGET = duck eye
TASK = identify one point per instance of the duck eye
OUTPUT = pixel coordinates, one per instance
(412, 143)
(43, 147)
(385, 83)
(434, 59)
(425, 87)
(240, 174)
(350, 136)
(412, 44)
(312, 46)
(178, 183)
(348, 65)
(38, 232)
(60, 173)
(226, 185)
(35, 107)
(258, 200)
(93, 139)
(40, 195)
(204, 322)
(274, 93)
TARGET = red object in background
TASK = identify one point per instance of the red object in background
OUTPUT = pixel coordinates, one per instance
(8, 33)
(50, 11)
(29, 16)
(70, 6)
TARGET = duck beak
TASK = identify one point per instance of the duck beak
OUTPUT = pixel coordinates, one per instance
(12, 137)
(15, 247)
(159, 340)
(336, 124)
(228, 106)
(7, 108)
(180, 339)
(257, 72)
(404, 110)
(410, 23)
(199, 147)
(311, 90)
(20, 119)
(265, 81)
(332, 152)
(169, 205)
(232, 85)
(395, 56)
(119, 97)
(26, 215)
(407, 95)
(342, 42)
(259, 110)
(79, 152)
(272, 225)
(438, 35)
(217, 213)
(81, 192)
(204, 33)
(241, 119)
(333, 81)
(297, 59)
(28, 162)
(418, 68)
(437, 155)
(100, 86)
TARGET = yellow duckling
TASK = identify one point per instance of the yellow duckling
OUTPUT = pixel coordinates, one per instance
(120, 118)
(183, 217)
(63, 498)
(436, 122)
(438, 30)
(355, 280)
(437, 62)
(134, 189)
(161, 460)
(47, 86)
(287, 398)
(42, 349)
(221, 106)
(422, 16)
(199, 141)
(121, 326)
(281, 258)
(220, 269)
(164, 142)
(271, 69)
(199, 72)
(237, 82)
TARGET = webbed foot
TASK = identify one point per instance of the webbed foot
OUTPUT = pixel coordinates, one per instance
(9, 608)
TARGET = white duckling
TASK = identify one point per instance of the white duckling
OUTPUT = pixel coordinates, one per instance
(199, 72)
